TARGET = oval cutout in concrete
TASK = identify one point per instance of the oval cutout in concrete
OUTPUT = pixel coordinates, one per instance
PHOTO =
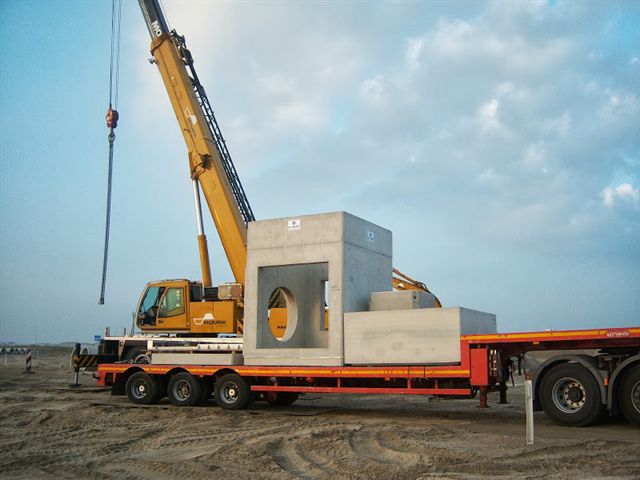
(282, 314)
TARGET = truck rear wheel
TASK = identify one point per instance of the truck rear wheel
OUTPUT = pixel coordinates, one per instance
(630, 395)
(184, 390)
(232, 392)
(142, 388)
(569, 394)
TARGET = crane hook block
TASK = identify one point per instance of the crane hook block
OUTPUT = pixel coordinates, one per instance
(112, 118)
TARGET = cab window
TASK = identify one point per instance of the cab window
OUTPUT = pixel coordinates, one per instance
(172, 303)
(151, 298)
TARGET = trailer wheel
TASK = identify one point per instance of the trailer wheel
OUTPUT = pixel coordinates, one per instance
(184, 390)
(142, 388)
(232, 392)
(283, 399)
(630, 395)
(569, 394)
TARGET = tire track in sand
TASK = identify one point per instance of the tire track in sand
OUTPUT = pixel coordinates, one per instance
(296, 463)
(366, 443)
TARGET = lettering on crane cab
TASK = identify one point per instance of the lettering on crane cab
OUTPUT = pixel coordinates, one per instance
(155, 26)
(208, 319)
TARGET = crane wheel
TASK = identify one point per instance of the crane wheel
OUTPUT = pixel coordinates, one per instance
(283, 399)
(570, 395)
(142, 388)
(629, 395)
(184, 390)
(232, 392)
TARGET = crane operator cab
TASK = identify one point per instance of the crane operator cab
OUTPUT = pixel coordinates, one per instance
(184, 307)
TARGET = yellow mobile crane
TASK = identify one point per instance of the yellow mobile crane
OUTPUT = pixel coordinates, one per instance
(197, 308)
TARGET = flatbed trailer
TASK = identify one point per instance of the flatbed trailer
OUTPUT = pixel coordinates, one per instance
(573, 388)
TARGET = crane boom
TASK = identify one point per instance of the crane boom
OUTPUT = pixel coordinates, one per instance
(210, 163)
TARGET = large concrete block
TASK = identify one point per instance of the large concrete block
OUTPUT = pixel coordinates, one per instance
(303, 257)
(403, 300)
(421, 336)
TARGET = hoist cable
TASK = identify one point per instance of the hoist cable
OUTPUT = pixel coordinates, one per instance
(117, 62)
(105, 256)
(112, 123)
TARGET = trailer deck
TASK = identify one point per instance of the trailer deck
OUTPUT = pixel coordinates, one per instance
(481, 355)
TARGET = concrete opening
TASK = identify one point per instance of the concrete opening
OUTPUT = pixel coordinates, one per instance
(282, 313)
(291, 306)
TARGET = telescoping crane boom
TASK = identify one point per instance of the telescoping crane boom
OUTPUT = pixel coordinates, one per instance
(182, 306)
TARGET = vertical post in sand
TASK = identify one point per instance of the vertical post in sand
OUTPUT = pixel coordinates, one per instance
(76, 368)
(27, 368)
(528, 397)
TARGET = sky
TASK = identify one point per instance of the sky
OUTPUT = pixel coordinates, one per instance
(498, 141)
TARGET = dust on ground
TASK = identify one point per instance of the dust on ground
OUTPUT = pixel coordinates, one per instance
(49, 431)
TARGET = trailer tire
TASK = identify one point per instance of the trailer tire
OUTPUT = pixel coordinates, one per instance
(232, 392)
(283, 399)
(630, 395)
(184, 390)
(142, 388)
(570, 395)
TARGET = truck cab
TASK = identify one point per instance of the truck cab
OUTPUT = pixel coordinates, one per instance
(182, 307)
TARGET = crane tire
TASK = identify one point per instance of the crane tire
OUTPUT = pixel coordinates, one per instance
(184, 390)
(142, 388)
(570, 395)
(629, 395)
(232, 392)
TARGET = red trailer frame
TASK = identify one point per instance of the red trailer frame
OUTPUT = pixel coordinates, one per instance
(482, 357)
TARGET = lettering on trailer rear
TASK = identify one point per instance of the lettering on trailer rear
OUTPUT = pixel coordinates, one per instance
(618, 333)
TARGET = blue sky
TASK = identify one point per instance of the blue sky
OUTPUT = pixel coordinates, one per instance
(498, 141)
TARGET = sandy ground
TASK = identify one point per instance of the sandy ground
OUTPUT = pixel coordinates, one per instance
(50, 431)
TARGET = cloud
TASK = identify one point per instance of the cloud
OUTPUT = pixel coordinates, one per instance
(624, 192)
(488, 116)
